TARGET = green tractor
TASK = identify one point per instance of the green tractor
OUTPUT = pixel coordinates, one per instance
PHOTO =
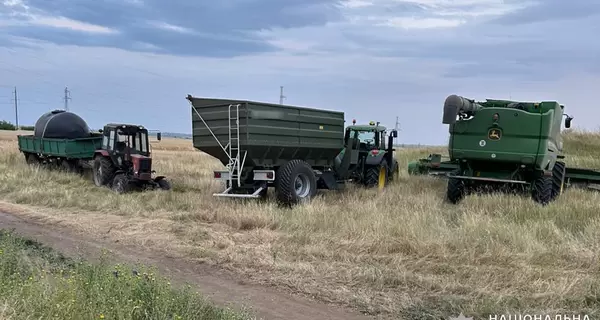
(375, 164)
(501, 143)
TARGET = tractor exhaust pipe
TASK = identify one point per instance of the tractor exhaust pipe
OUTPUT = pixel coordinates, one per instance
(454, 105)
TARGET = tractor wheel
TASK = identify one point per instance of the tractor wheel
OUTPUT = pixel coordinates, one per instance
(295, 182)
(558, 179)
(104, 171)
(120, 184)
(456, 190)
(164, 184)
(377, 176)
(541, 191)
(395, 171)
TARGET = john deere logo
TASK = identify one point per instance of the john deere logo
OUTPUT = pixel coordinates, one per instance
(494, 134)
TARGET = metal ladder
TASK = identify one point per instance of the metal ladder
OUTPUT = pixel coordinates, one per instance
(235, 163)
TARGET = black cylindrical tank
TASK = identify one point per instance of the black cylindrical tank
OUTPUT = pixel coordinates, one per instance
(61, 124)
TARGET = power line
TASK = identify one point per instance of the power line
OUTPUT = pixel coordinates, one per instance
(67, 98)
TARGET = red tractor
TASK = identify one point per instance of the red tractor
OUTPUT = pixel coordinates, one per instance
(124, 163)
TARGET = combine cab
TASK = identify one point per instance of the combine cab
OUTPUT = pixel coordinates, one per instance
(124, 161)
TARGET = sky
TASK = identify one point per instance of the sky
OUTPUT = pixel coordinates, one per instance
(135, 61)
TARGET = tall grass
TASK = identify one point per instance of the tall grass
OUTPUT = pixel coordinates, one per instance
(39, 283)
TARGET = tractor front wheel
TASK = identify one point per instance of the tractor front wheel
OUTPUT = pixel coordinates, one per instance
(120, 184)
(295, 182)
(395, 171)
(377, 176)
(104, 171)
(164, 184)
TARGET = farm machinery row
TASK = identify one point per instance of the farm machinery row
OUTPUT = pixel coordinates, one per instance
(119, 155)
(505, 145)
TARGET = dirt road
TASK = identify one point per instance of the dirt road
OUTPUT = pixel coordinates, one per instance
(219, 286)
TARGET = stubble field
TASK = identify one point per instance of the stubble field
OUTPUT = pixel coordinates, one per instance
(403, 252)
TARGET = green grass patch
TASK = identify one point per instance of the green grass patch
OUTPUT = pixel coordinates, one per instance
(37, 282)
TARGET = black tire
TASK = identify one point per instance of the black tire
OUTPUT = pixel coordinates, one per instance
(558, 179)
(32, 159)
(68, 166)
(395, 171)
(541, 190)
(374, 178)
(103, 171)
(290, 177)
(456, 190)
(164, 184)
(120, 184)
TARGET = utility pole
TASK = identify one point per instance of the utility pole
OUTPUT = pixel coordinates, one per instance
(397, 124)
(281, 96)
(67, 98)
(16, 99)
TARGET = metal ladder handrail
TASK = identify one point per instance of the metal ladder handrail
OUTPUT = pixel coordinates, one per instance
(209, 130)
(235, 165)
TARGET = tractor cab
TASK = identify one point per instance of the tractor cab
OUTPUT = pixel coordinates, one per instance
(368, 137)
(124, 140)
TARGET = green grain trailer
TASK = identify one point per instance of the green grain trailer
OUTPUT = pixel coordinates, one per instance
(292, 149)
(70, 154)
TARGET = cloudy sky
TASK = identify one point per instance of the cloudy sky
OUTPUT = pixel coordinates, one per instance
(136, 60)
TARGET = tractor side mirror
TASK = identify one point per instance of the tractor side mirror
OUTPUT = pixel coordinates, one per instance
(568, 122)
(394, 133)
(100, 130)
(158, 136)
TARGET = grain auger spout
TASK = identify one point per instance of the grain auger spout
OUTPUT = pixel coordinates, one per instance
(457, 105)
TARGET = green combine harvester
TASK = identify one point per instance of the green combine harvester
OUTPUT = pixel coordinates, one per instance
(294, 150)
(502, 143)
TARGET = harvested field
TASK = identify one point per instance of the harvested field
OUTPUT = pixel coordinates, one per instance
(403, 252)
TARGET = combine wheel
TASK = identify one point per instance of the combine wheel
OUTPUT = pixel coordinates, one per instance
(103, 171)
(120, 184)
(542, 190)
(377, 176)
(558, 179)
(456, 190)
(295, 182)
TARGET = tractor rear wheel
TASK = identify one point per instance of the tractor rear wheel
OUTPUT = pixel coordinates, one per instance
(377, 176)
(295, 182)
(456, 190)
(120, 184)
(541, 191)
(104, 171)
(558, 179)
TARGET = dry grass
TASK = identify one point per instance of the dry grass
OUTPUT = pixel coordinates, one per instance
(403, 251)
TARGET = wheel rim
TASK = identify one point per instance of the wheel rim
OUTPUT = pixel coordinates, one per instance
(381, 178)
(302, 185)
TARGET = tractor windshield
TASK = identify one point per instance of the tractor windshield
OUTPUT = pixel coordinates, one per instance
(366, 137)
(134, 142)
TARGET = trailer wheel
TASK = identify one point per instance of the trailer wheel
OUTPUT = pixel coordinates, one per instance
(377, 176)
(120, 184)
(68, 166)
(558, 179)
(456, 190)
(103, 171)
(32, 159)
(542, 190)
(295, 182)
